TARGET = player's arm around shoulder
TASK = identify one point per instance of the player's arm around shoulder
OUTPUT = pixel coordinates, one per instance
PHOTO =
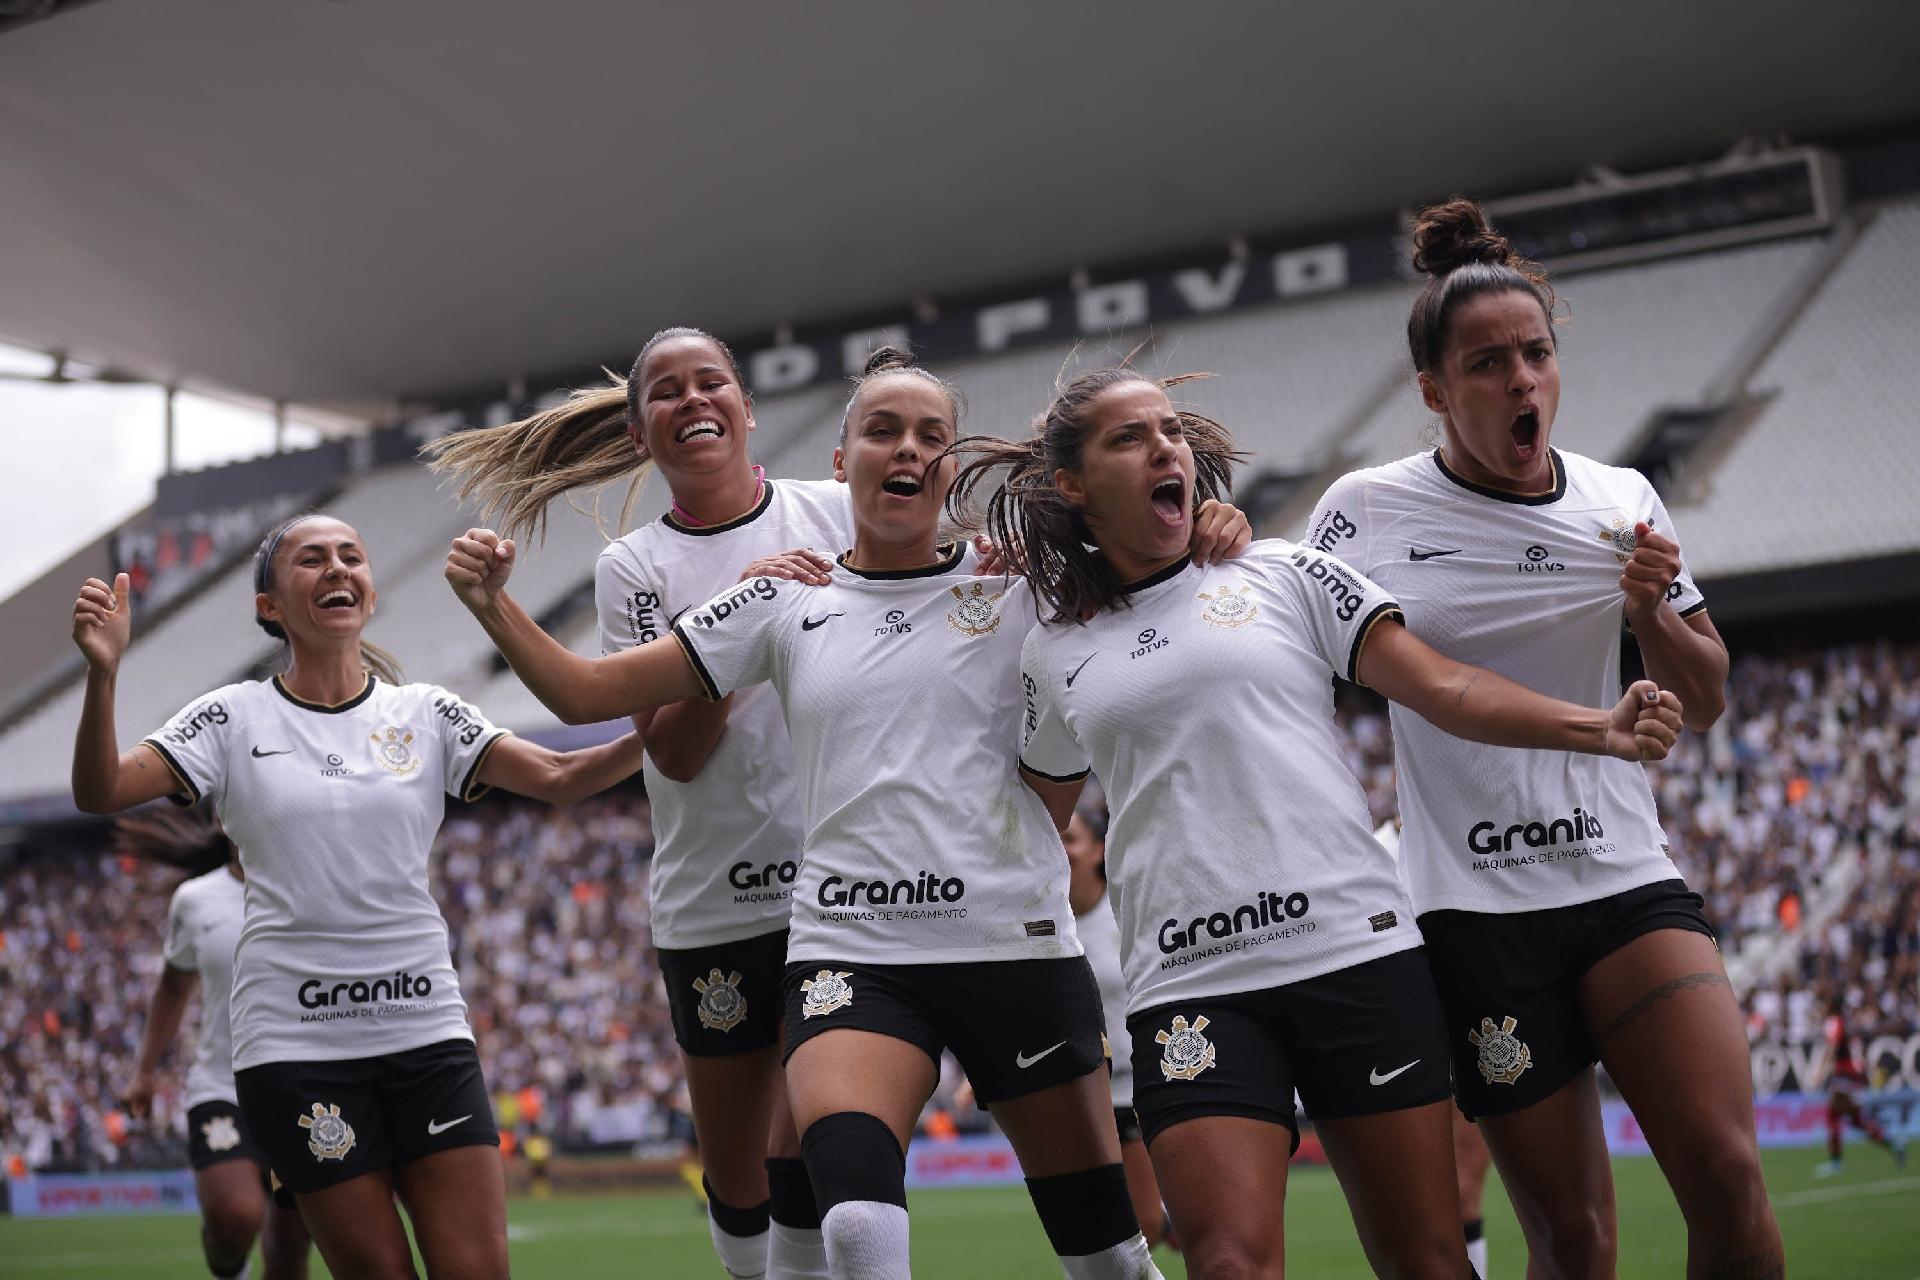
(1051, 762)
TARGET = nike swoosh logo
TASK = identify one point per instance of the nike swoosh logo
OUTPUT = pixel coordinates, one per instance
(1021, 1060)
(258, 754)
(808, 624)
(1429, 555)
(1374, 1076)
(433, 1128)
(1082, 667)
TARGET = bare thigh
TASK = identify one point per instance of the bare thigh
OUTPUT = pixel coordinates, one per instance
(1471, 1160)
(849, 1070)
(1144, 1190)
(1553, 1162)
(458, 1203)
(1064, 1129)
(357, 1228)
(1396, 1168)
(1225, 1183)
(733, 1107)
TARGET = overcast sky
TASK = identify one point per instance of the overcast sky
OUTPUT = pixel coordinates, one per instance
(83, 457)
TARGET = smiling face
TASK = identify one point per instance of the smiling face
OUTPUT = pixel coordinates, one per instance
(320, 584)
(694, 414)
(1135, 478)
(897, 425)
(1496, 385)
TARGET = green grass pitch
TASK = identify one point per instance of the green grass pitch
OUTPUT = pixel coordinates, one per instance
(1863, 1225)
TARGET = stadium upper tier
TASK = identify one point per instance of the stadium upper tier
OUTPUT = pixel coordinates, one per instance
(1825, 473)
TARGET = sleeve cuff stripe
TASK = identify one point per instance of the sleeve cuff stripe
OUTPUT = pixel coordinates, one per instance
(470, 787)
(1053, 777)
(1693, 608)
(699, 668)
(1384, 609)
(179, 774)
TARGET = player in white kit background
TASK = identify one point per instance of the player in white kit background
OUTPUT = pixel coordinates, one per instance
(353, 1059)
(898, 680)
(719, 774)
(1559, 929)
(230, 1179)
(1267, 940)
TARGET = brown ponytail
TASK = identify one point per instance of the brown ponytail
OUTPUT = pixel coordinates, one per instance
(189, 839)
(512, 472)
(1032, 521)
(1455, 245)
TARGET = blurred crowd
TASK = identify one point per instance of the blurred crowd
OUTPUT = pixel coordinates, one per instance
(1799, 798)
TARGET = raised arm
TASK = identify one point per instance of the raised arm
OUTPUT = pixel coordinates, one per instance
(1686, 654)
(560, 777)
(105, 779)
(578, 690)
(1475, 704)
(165, 1008)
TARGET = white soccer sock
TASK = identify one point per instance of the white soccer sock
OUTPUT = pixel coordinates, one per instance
(1128, 1260)
(744, 1257)
(246, 1270)
(866, 1240)
(796, 1253)
(1477, 1255)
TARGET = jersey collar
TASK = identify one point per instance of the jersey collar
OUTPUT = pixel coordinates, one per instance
(706, 530)
(366, 691)
(1554, 494)
(949, 554)
(1167, 574)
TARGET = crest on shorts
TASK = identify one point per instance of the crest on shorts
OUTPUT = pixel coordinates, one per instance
(722, 1007)
(1503, 1055)
(220, 1133)
(393, 750)
(1620, 536)
(973, 613)
(826, 991)
(1230, 607)
(1187, 1052)
(328, 1136)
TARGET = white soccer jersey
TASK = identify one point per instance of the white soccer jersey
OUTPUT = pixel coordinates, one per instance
(902, 694)
(343, 953)
(727, 844)
(1528, 587)
(203, 924)
(1239, 851)
(1100, 934)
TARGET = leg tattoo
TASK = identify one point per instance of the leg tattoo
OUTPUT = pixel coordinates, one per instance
(1664, 991)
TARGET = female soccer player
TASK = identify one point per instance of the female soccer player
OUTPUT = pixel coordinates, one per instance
(203, 923)
(719, 774)
(1267, 939)
(1558, 928)
(352, 1057)
(898, 683)
(1085, 839)
(1846, 1081)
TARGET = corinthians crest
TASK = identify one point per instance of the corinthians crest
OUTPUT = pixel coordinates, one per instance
(220, 1133)
(1231, 607)
(328, 1136)
(1187, 1052)
(826, 991)
(721, 1007)
(1620, 536)
(973, 612)
(1503, 1056)
(393, 750)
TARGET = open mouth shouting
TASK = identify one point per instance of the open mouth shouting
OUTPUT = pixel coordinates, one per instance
(337, 599)
(903, 484)
(699, 429)
(1169, 498)
(1526, 434)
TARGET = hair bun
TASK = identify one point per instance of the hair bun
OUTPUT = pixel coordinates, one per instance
(888, 358)
(1451, 235)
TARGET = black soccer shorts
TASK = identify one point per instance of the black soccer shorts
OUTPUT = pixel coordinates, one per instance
(216, 1132)
(725, 999)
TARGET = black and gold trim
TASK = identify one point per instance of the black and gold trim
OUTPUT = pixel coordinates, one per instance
(753, 513)
(1167, 574)
(324, 708)
(1554, 494)
(949, 554)
(1696, 607)
(707, 685)
(186, 795)
(471, 788)
(1385, 609)
(1081, 776)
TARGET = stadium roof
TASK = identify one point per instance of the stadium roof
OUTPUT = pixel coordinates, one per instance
(352, 201)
